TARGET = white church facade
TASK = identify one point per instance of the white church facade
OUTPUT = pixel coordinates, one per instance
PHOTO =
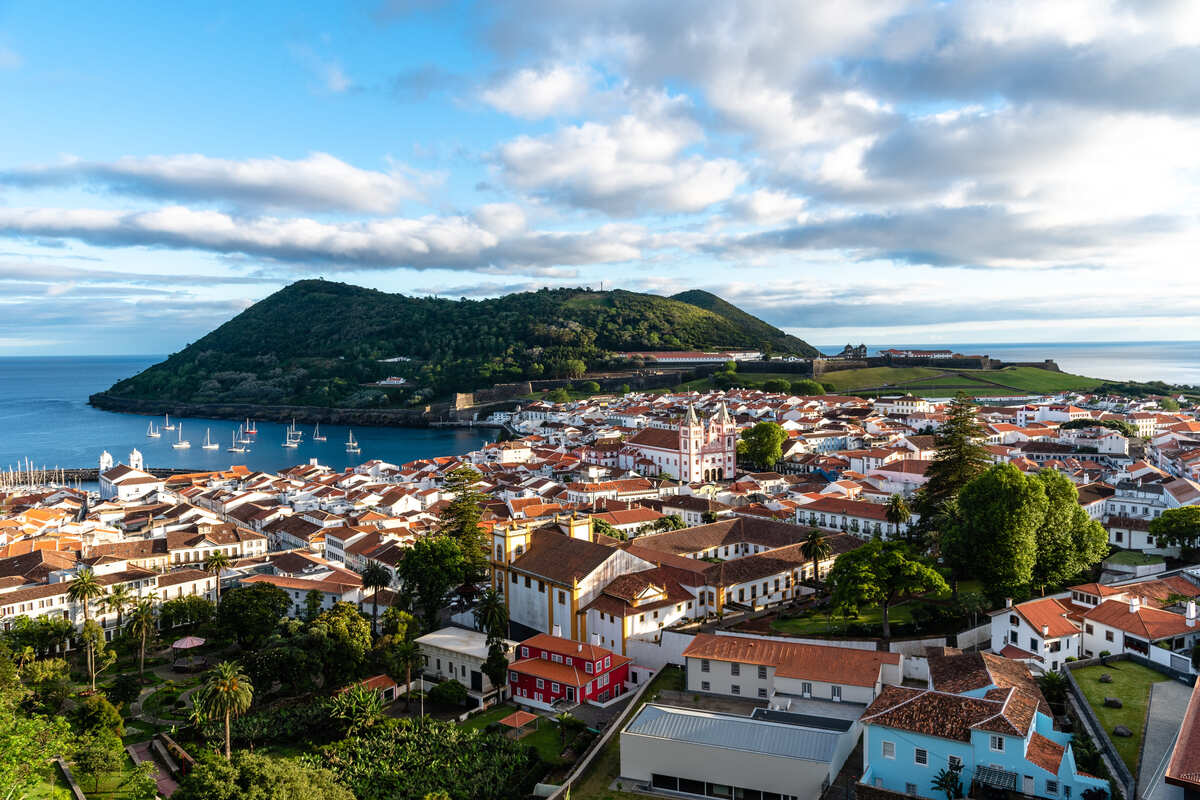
(695, 451)
(126, 482)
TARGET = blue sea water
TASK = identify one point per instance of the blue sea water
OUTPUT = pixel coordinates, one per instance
(1173, 362)
(44, 416)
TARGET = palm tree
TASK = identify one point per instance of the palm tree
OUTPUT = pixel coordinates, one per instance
(84, 588)
(491, 615)
(375, 577)
(897, 513)
(215, 563)
(947, 780)
(143, 624)
(816, 548)
(226, 693)
(408, 655)
(117, 600)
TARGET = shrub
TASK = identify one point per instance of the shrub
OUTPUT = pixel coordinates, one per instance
(448, 693)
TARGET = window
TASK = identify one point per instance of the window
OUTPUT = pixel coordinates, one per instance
(889, 749)
(910, 788)
(569, 661)
(554, 687)
(1033, 645)
(562, 597)
(528, 582)
(704, 665)
(541, 587)
(954, 762)
(556, 658)
(735, 668)
(835, 692)
(512, 676)
(704, 686)
(587, 667)
(762, 672)
(1012, 619)
(514, 577)
(762, 692)
(1088, 627)
(921, 757)
(541, 684)
(806, 688)
(1051, 787)
(735, 689)
(997, 743)
(1108, 636)
(524, 652)
(607, 662)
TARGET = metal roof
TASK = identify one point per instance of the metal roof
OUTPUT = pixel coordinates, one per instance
(733, 733)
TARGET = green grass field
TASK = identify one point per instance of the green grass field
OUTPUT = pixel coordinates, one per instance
(1132, 558)
(820, 624)
(1131, 683)
(848, 380)
(545, 739)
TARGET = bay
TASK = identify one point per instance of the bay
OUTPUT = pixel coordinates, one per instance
(44, 416)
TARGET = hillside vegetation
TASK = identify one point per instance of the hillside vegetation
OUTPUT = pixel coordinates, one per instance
(322, 343)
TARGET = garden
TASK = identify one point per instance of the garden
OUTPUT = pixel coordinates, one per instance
(1130, 685)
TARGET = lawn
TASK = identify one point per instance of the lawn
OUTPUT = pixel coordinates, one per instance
(818, 623)
(843, 380)
(1131, 684)
(1034, 379)
(110, 784)
(606, 767)
(53, 788)
(1132, 558)
(545, 739)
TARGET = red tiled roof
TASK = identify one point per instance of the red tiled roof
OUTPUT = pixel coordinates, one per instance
(1184, 767)
(795, 660)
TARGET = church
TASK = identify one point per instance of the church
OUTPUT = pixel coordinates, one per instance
(694, 451)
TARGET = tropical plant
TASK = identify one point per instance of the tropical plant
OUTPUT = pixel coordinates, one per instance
(949, 780)
(82, 590)
(375, 577)
(358, 708)
(897, 513)
(119, 598)
(407, 656)
(143, 624)
(252, 775)
(215, 563)
(226, 693)
(816, 548)
(491, 615)
(100, 657)
(449, 693)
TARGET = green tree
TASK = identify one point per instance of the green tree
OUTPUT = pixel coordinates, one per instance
(44, 633)
(28, 740)
(777, 385)
(375, 577)
(602, 528)
(496, 665)
(99, 754)
(429, 570)
(995, 538)
(341, 638)
(807, 387)
(119, 598)
(960, 457)
(948, 780)
(398, 622)
(141, 783)
(591, 387)
(764, 443)
(124, 690)
(250, 613)
(449, 693)
(358, 708)
(314, 599)
(575, 368)
(460, 521)
(1177, 527)
(881, 573)
(671, 522)
(816, 548)
(100, 656)
(49, 684)
(143, 624)
(1168, 404)
(215, 563)
(708, 517)
(491, 615)
(559, 395)
(94, 714)
(1068, 540)
(82, 590)
(404, 657)
(193, 609)
(897, 513)
(226, 693)
(250, 775)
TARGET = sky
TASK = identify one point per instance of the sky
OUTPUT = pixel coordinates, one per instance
(878, 171)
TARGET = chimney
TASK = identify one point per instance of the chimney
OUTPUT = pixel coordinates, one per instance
(595, 638)
(1008, 602)
(1133, 605)
(1191, 613)
(557, 632)
(1045, 631)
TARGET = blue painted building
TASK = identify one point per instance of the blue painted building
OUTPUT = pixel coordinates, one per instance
(983, 715)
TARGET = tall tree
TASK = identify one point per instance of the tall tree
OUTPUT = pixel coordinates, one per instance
(226, 693)
(251, 775)
(27, 739)
(83, 589)
(1068, 540)
(460, 521)
(119, 598)
(897, 513)
(250, 613)
(881, 573)
(341, 638)
(995, 538)
(100, 657)
(375, 577)
(491, 615)
(816, 548)
(215, 563)
(406, 655)
(1177, 527)
(960, 457)
(764, 443)
(143, 624)
(429, 570)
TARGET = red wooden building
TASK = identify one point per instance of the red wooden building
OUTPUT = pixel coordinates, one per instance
(548, 669)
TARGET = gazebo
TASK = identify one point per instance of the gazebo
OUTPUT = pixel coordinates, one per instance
(180, 649)
(518, 721)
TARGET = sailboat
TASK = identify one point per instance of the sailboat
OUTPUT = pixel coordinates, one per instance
(167, 426)
(237, 446)
(351, 445)
(292, 438)
(250, 429)
(209, 444)
(317, 435)
(153, 432)
(182, 444)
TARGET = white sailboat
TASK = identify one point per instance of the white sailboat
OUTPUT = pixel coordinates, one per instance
(167, 426)
(237, 446)
(153, 432)
(182, 444)
(317, 435)
(209, 444)
(250, 429)
(292, 438)
(351, 445)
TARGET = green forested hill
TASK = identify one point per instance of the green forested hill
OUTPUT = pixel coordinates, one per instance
(317, 342)
(748, 322)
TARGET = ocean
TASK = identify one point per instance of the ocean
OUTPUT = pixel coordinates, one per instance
(1173, 362)
(44, 416)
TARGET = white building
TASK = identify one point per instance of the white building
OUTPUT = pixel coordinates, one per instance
(459, 654)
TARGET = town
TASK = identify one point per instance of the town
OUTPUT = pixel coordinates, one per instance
(732, 593)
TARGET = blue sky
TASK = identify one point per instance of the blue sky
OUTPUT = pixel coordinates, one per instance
(884, 171)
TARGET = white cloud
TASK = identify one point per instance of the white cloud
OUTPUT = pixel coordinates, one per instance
(534, 93)
(318, 182)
